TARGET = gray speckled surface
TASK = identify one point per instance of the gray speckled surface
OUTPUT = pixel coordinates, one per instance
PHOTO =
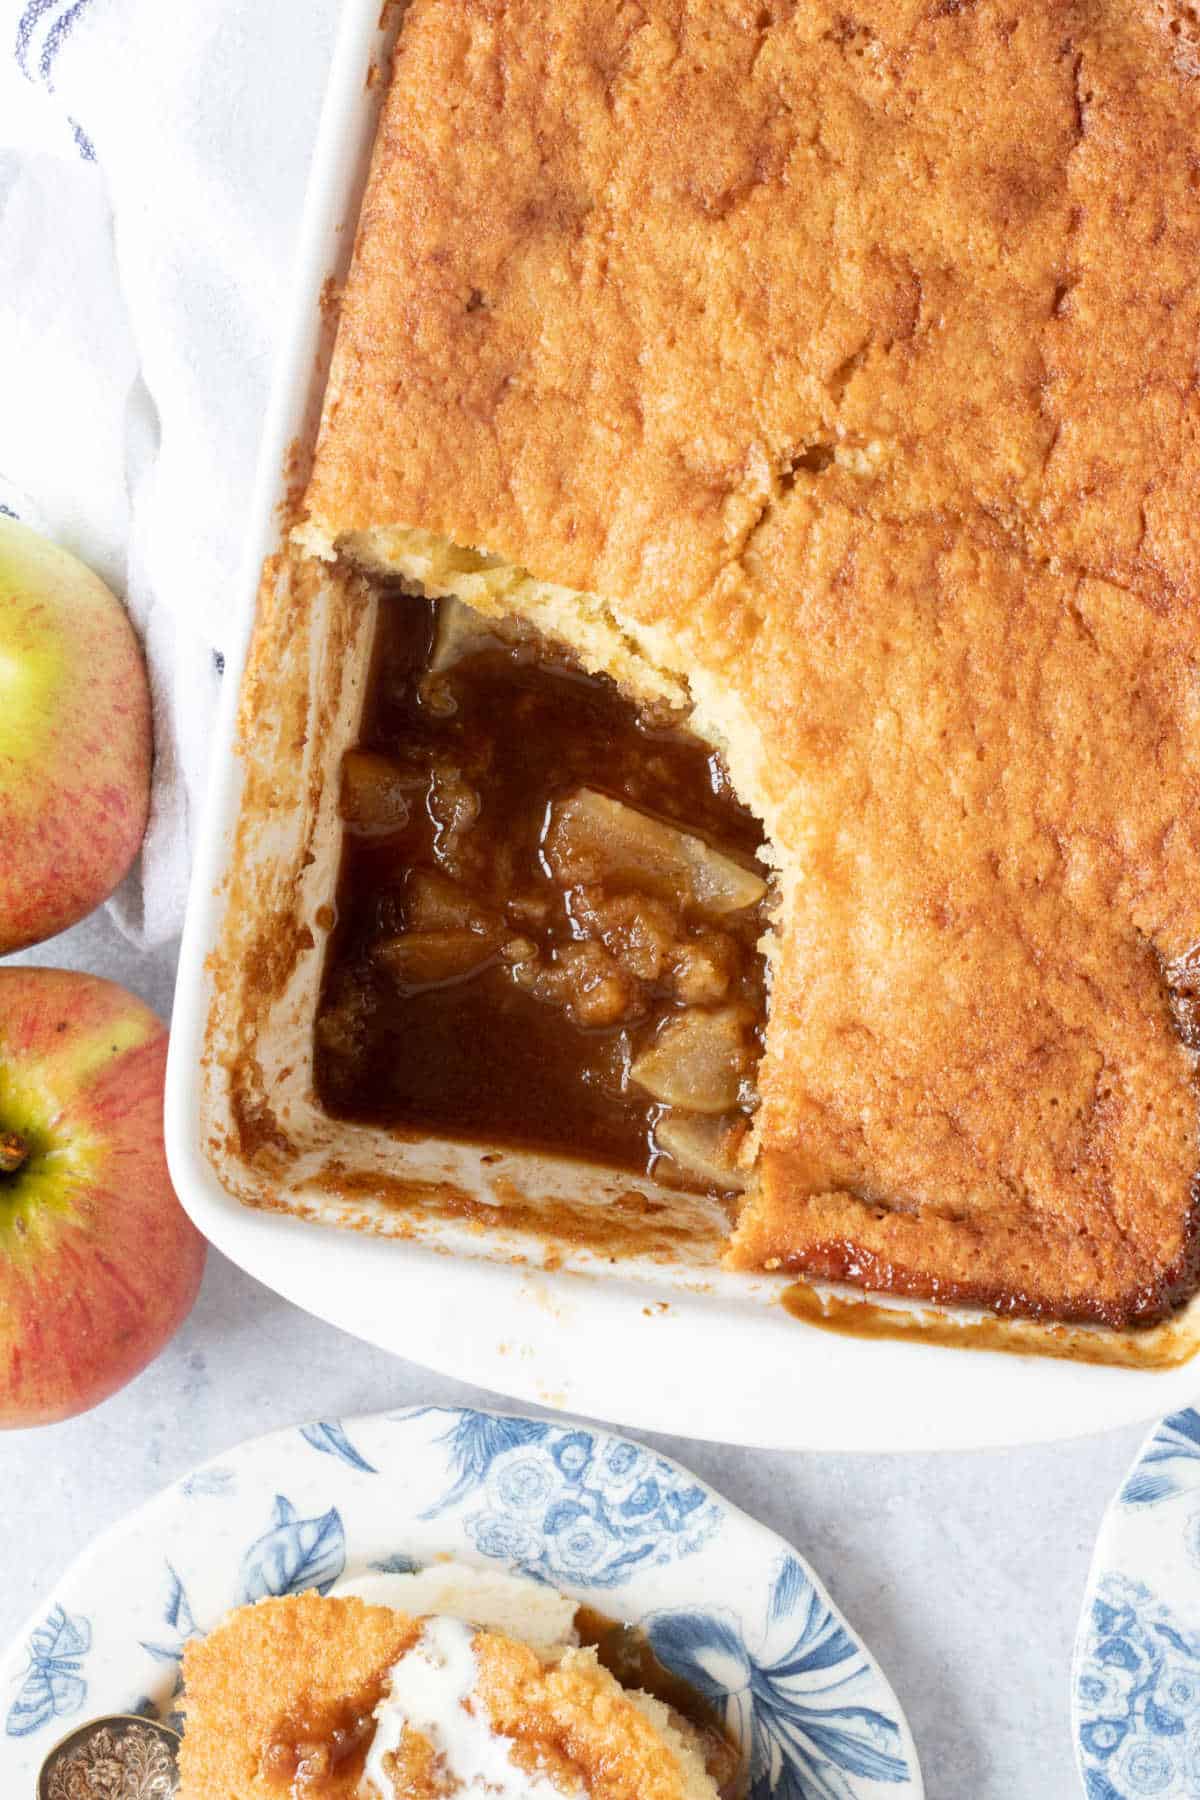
(964, 1572)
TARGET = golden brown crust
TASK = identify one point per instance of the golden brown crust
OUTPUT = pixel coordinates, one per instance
(615, 273)
(267, 1666)
(574, 1723)
(858, 357)
(973, 1077)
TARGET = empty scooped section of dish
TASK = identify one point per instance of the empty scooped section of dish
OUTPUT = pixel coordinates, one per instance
(490, 1161)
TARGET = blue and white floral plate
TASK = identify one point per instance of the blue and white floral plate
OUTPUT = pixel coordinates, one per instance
(725, 1603)
(1135, 1703)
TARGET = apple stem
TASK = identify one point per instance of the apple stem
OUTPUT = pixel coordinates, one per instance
(13, 1152)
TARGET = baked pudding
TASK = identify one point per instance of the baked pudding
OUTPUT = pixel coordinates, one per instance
(341, 1698)
(817, 391)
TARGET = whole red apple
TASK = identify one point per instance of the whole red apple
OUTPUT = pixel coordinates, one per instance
(75, 744)
(99, 1263)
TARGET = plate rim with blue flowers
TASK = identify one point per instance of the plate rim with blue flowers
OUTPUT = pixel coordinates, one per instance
(724, 1602)
(1135, 1672)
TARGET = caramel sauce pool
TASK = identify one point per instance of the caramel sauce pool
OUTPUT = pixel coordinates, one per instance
(468, 764)
(626, 1653)
(322, 1752)
(866, 1319)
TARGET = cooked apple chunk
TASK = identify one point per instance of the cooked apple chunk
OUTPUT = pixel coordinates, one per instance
(460, 632)
(591, 837)
(697, 1060)
(704, 1148)
(377, 793)
(434, 903)
(423, 958)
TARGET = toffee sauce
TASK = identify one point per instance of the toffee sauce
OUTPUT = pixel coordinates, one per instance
(506, 731)
(322, 1751)
(626, 1653)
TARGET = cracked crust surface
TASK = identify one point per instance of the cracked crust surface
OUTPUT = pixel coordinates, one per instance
(852, 358)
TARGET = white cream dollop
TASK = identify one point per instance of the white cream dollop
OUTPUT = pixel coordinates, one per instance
(429, 1687)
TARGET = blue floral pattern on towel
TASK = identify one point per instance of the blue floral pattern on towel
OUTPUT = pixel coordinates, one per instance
(42, 29)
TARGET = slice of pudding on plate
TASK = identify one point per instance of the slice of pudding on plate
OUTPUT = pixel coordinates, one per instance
(491, 1694)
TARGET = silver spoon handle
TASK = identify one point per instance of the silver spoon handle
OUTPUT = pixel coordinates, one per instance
(118, 1757)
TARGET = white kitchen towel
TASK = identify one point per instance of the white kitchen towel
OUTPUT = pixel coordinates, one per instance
(153, 157)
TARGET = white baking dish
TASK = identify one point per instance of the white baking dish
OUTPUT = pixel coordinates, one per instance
(656, 1335)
